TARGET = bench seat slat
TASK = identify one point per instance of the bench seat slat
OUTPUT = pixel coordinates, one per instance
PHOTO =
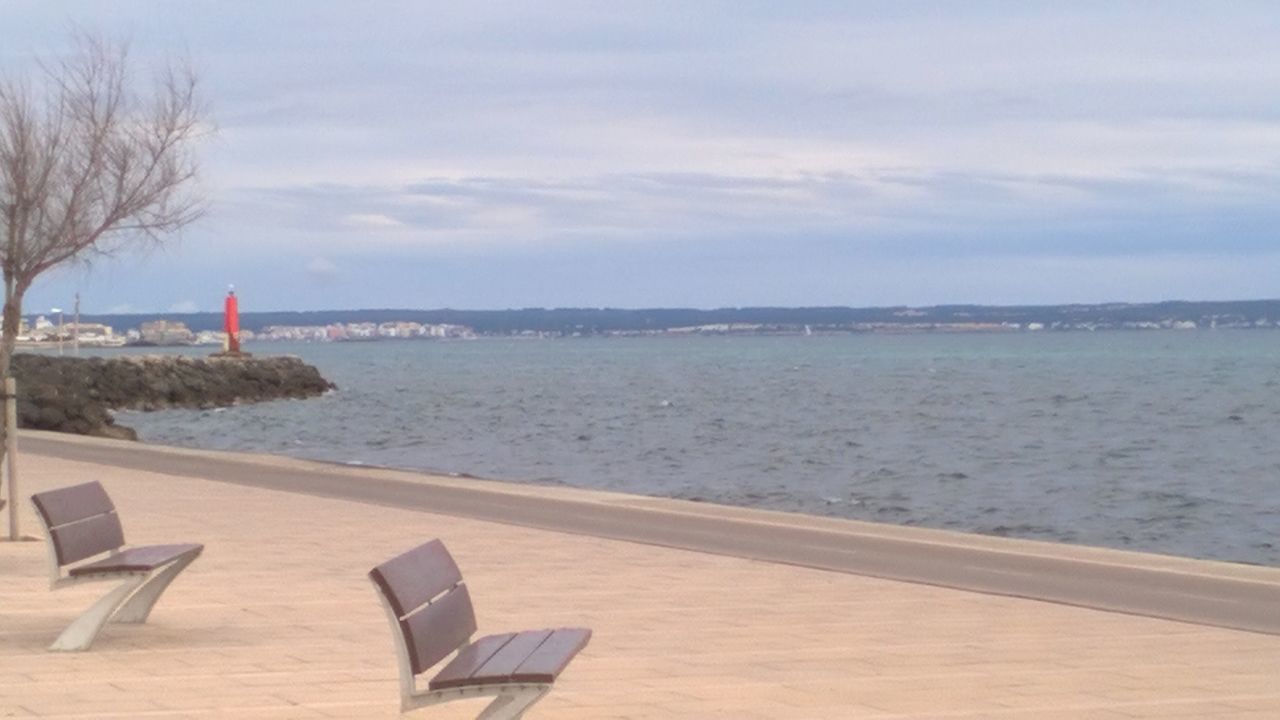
(69, 504)
(86, 538)
(532, 656)
(505, 661)
(139, 559)
(545, 663)
(412, 578)
(471, 659)
(435, 631)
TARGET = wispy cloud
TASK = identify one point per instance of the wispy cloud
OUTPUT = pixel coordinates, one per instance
(322, 267)
(931, 213)
(371, 221)
(322, 271)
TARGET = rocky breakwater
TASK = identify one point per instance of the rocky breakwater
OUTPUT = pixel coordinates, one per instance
(77, 395)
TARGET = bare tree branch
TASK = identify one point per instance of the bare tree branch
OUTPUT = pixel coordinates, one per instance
(89, 165)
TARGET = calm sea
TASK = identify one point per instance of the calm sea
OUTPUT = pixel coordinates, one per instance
(1158, 441)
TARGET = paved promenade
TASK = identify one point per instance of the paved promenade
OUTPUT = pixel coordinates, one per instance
(277, 620)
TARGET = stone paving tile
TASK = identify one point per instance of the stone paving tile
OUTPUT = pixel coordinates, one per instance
(277, 620)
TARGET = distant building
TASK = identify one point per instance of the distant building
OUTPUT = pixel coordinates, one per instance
(445, 330)
(93, 334)
(44, 325)
(399, 329)
(165, 332)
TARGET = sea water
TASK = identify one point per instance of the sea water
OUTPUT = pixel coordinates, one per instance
(1161, 441)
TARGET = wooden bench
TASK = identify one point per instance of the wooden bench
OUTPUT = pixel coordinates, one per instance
(86, 544)
(431, 617)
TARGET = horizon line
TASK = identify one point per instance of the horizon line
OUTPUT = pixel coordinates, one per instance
(686, 308)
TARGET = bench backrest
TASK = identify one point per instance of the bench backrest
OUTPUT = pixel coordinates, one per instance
(424, 588)
(81, 521)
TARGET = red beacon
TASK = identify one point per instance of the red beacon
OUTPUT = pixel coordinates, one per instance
(231, 322)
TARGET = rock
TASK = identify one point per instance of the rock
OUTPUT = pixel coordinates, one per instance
(77, 395)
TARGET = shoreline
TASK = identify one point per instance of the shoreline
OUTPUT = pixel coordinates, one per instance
(542, 482)
(1223, 594)
(514, 485)
(711, 506)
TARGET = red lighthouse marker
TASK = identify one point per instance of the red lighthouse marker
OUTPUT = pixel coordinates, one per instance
(231, 322)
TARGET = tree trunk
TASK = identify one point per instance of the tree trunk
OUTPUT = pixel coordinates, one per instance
(12, 321)
(9, 326)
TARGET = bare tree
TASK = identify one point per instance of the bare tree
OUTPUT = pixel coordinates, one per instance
(90, 163)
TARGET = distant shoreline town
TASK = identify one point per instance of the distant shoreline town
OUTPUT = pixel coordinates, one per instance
(168, 333)
(169, 329)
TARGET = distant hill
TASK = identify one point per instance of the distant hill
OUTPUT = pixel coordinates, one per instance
(587, 321)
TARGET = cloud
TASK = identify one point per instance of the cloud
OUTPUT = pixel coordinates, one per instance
(371, 221)
(321, 270)
(184, 306)
(321, 266)
(910, 211)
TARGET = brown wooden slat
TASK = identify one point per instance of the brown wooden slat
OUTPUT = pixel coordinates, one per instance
(413, 578)
(87, 538)
(138, 559)
(439, 628)
(508, 659)
(460, 670)
(553, 655)
(69, 504)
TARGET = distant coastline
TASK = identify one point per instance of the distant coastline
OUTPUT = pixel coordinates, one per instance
(381, 324)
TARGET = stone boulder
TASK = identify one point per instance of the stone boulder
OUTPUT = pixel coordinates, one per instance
(76, 395)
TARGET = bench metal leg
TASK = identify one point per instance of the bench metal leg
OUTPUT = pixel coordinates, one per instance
(511, 706)
(81, 633)
(509, 701)
(138, 607)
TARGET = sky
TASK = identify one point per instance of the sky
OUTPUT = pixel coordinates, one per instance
(488, 155)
